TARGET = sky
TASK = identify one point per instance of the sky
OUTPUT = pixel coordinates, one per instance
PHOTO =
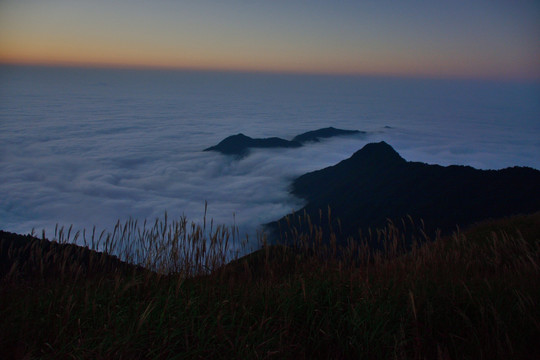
(474, 38)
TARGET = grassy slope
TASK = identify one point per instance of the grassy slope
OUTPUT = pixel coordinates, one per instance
(472, 295)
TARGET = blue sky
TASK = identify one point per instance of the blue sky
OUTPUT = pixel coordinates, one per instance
(493, 39)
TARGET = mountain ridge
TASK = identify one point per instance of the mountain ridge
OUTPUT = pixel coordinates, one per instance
(240, 144)
(376, 184)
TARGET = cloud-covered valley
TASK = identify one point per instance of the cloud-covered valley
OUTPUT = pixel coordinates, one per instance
(92, 147)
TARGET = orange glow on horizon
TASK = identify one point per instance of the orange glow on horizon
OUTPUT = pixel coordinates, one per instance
(349, 38)
(382, 68)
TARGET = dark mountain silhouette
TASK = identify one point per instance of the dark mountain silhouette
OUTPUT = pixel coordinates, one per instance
(377, 184)
(36, 258)
(240, 144)
(328, 132)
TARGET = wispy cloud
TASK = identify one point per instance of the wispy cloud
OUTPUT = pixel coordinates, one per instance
(90, 148)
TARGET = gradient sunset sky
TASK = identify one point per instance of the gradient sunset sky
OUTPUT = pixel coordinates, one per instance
(487, 39)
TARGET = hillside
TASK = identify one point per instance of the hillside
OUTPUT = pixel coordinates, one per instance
(376, 184)
(24, 256)
(470, 295)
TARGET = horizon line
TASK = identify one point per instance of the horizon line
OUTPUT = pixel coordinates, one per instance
(158, 67)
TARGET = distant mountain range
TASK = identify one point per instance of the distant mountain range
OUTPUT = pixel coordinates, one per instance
(328, 132)
(240, 144)
(376, 184)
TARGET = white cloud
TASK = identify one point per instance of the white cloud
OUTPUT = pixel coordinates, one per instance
(91, 156)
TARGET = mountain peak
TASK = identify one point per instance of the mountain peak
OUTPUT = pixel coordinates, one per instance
(377, 184)
(379, 152)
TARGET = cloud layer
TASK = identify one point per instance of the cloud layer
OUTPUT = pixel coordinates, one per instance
(90, 147)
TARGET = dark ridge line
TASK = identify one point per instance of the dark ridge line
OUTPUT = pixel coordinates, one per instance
(376, 184)
(240, 144)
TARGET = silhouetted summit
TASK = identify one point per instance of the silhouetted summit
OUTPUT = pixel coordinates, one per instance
(240, 144)
(376, 153)
(377, 184)
(327, 132)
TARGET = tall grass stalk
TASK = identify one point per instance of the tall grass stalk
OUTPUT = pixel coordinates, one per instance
(163, 246)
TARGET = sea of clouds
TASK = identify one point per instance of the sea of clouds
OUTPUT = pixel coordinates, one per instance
(91, 147)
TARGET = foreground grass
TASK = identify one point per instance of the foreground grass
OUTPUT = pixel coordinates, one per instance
(472, 295)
